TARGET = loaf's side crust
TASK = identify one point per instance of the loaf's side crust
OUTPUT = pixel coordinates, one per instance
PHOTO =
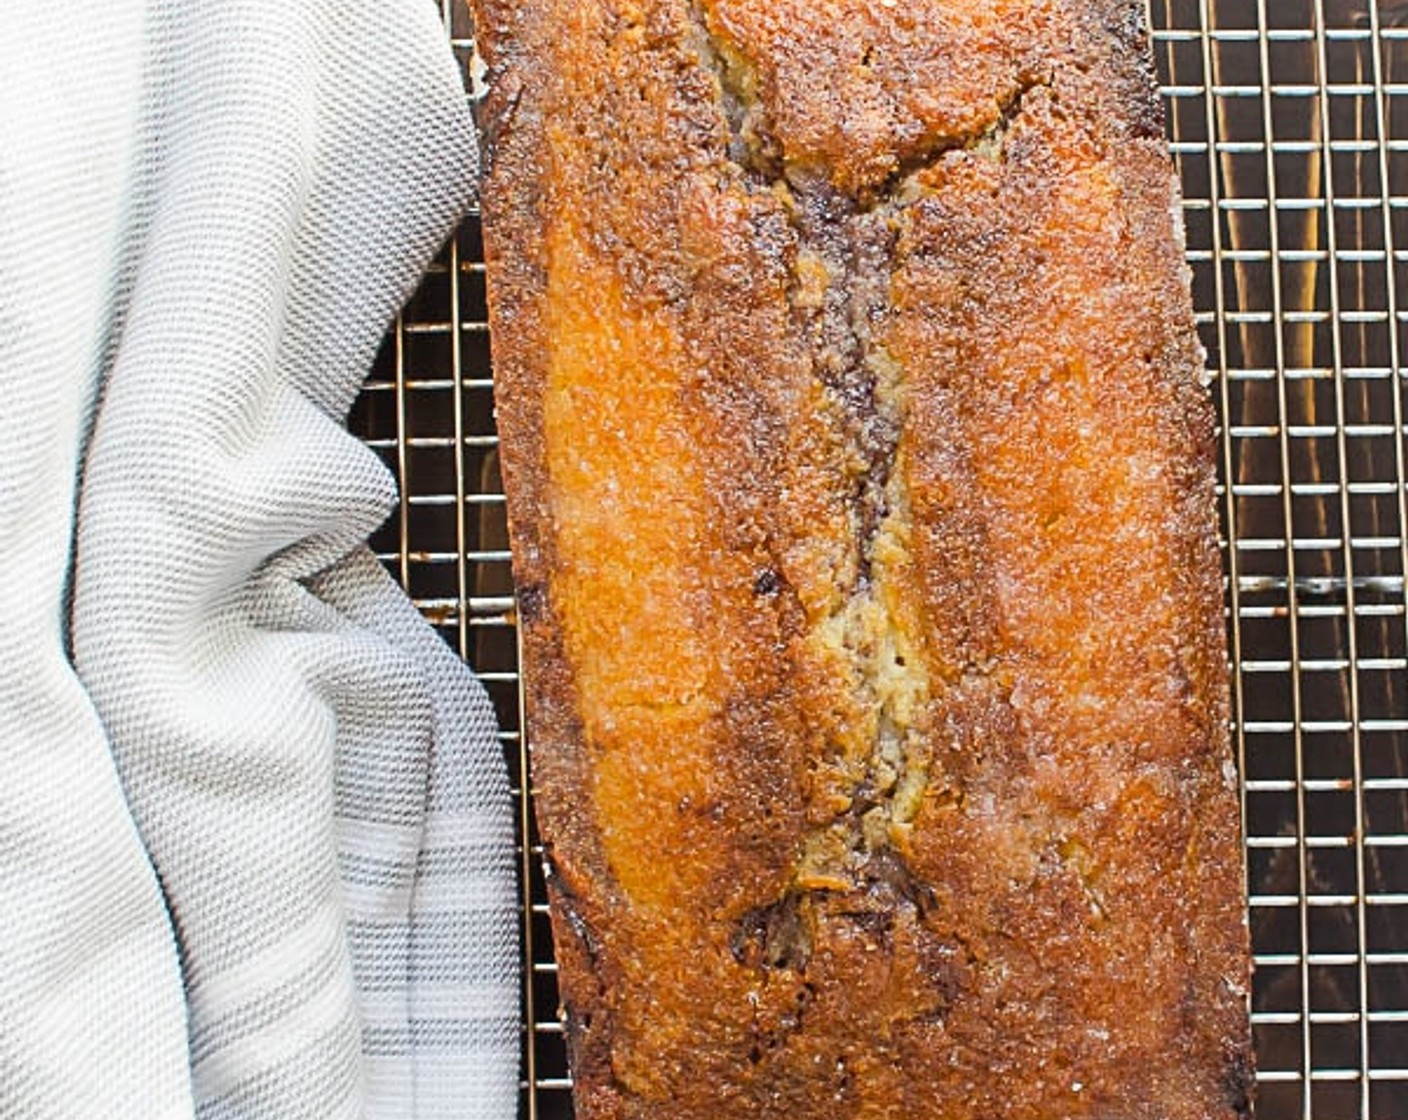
(860, 480)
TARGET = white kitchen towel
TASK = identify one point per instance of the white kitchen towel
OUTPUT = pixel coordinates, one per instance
(315, 777)
(92, 1022)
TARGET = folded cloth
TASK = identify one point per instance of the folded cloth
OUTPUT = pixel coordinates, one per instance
(92, 1021)
(315, 777)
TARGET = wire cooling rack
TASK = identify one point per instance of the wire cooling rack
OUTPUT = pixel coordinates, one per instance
(1289, 123)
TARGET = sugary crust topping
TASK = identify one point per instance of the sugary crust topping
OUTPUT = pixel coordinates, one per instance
(860, 478)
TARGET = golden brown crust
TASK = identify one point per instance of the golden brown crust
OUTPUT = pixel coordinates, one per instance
(860, 481)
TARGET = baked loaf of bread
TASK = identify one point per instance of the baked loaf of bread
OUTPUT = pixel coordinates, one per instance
(860, 481)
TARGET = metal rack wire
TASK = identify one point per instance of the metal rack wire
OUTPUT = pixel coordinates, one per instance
(1289, 123)
(1289, 131)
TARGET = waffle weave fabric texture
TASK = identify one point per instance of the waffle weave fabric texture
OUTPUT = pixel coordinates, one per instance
(256, 852)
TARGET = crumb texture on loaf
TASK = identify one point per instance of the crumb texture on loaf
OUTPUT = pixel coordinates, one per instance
(861, 489)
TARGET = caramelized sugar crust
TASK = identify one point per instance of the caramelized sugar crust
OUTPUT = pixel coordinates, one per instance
(860, 478)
